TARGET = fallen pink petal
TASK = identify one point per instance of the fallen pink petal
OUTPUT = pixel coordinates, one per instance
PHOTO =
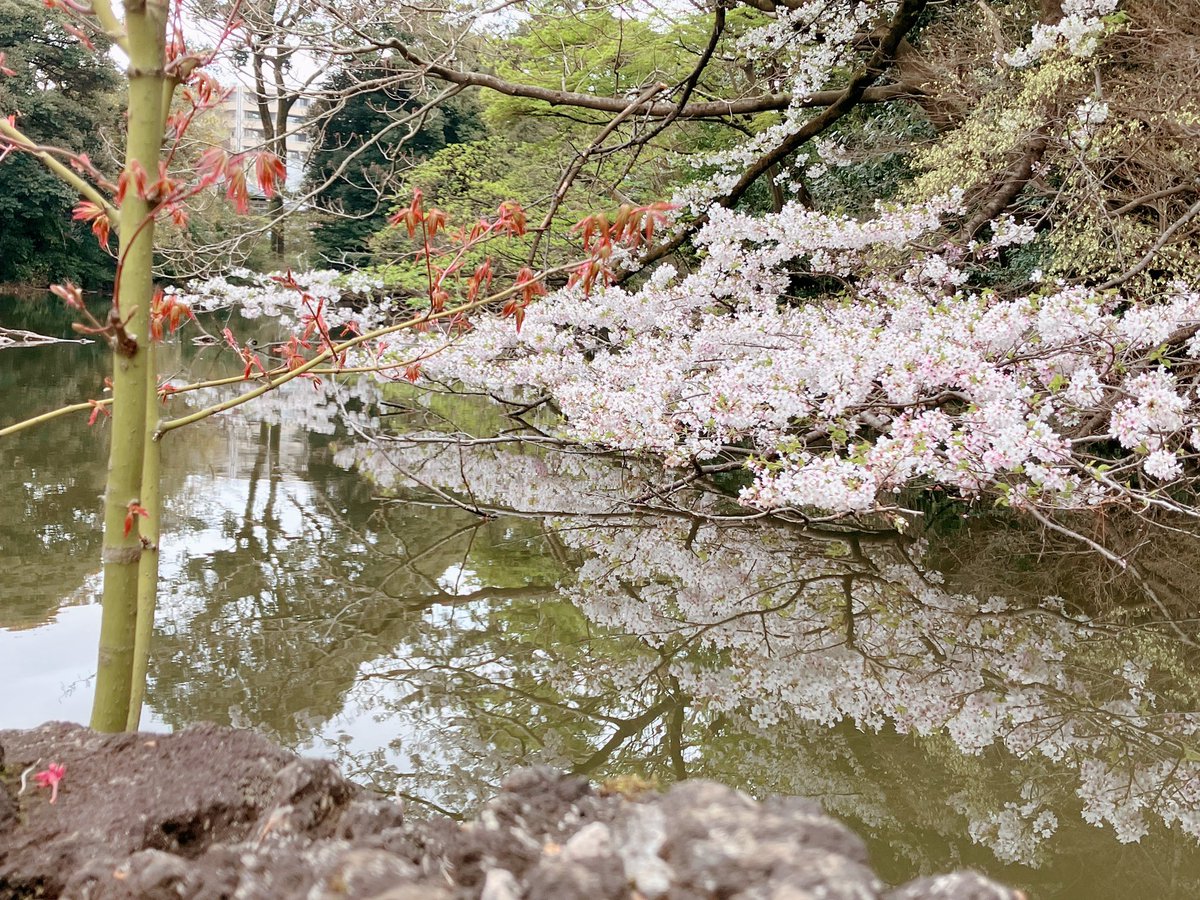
(50, 777)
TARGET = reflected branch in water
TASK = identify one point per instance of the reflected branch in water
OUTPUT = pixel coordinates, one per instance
(851, 629)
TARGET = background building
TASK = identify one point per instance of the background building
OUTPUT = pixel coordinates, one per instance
(239, 114)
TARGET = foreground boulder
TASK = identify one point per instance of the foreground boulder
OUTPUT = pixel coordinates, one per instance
(212, 812)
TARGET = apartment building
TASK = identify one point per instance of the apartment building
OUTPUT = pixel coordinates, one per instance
(240, 117)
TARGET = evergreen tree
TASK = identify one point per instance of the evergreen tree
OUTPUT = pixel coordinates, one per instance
(66, 95)
(365, 130)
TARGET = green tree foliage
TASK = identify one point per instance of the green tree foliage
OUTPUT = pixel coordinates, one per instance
(530, 144)
(66, 95)
(471, 180)
(368, 136)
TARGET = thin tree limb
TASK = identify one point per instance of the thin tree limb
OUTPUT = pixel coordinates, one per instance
(577, 164)
(660, 110)
(113, 29)
(19, 140)
(1145, 261)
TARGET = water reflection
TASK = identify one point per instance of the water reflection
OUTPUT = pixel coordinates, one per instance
(49, 531)
(826, 664)
(430, 649)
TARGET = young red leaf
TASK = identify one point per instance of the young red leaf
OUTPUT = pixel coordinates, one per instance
(212, 165)
(135, 174)
(512, 218)
(529, 284)
(236, 190)
(435, 221)
(97, 408)
(270, 172)
(86, 211)
(133, 510)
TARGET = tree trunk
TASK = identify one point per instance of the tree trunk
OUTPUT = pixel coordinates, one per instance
(151, 529)
(275, 211)
(133, 377)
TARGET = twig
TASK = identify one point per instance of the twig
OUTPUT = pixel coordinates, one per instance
(1150, 254)
(1123, 564)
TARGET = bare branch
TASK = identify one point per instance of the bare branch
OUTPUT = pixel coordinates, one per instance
(660, 110)
(568, 177)
(1018, 177)
(1145, 261)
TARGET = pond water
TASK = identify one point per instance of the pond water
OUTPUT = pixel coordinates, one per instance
(341, 592)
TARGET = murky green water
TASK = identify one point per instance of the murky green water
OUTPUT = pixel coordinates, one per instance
(338, 594)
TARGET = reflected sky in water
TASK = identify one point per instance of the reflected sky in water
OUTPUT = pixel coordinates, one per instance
(340, 596)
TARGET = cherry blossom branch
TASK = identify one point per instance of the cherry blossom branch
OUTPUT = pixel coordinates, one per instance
(336, 351)
(847, 99)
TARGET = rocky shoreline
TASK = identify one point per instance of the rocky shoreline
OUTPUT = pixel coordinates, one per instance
(212, 812)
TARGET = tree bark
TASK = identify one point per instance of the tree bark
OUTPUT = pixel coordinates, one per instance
(712, 109)
(133, 377)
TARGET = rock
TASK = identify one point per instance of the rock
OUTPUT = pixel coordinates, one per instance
(955, 886)
(721, 843)
(364, 873)
(500, 884)
(8, 802)
(586, 867)
(639, 838)
(213, 812)
(364, 818)
(177, 793)
(423, 891)
(308, 798)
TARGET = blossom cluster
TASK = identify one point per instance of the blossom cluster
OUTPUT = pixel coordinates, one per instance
(253, 295)
(1078, 32)
(802, 48)
(1065, 396)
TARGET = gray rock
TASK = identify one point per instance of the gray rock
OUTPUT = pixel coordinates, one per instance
(639, 836)
(590, 842)
(500, 884)
(363, 873)
(213, 812)
(955, 886)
